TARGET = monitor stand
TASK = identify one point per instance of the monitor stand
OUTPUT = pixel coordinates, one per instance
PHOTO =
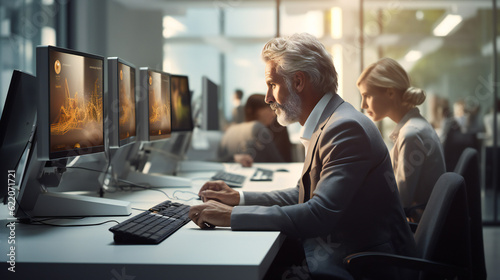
(126, 164)
(35, 201)
(69, 205)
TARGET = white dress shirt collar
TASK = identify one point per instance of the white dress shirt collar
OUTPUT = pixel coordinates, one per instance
(415, 112)
(312, 121)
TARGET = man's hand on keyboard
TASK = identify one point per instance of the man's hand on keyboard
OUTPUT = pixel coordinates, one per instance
(219, 191)
(211, 214)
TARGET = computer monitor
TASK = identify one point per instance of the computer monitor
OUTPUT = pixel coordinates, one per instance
(210, 105)
(122, 143)
(182, 118)
(70, 107)
(181, 140)
(154, 115)
(180, 96)
(16, 125)
(70, 122)
(154, 124)
(120, 103)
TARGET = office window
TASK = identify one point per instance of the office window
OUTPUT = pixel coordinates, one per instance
(193, 23)
(193, 60)
(245, 70)
(295, 20)
(250, 22)
(23, 26)
(228, 52)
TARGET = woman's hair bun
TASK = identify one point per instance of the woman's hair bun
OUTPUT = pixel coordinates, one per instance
(414, 96)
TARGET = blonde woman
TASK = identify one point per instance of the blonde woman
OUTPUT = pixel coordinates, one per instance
(417, 156)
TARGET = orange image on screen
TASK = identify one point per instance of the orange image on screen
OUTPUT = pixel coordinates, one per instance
(159, 107)
(76, 117)
(180, 103)
(76, 114)
(127, 103)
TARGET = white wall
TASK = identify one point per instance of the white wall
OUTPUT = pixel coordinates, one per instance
(135, 35)
(107, 28)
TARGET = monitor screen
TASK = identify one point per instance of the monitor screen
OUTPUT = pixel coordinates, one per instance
(127, 103)
(181, 103)
(210, 105)
(121, 102)
(154, 105)
(16, 124)
(70, 109)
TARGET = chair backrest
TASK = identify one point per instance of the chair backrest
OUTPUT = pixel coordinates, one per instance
(443, 232)
(455, 143)
(468, 167)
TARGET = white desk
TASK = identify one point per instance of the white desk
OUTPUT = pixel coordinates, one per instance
(45, 252)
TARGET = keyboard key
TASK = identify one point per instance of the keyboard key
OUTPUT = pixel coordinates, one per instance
(152, 226)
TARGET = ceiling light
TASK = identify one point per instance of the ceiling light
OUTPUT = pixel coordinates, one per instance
(447, 25)
(413, 55)
(336, 23)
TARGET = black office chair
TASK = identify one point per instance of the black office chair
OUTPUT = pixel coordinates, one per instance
(455, 143)
(442, 238)
(468, 167)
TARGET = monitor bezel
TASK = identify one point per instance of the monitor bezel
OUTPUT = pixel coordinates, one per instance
(143, 104)
(190, 106)
(209, 108)
(113, 103)
(17, 124)
(43, 67)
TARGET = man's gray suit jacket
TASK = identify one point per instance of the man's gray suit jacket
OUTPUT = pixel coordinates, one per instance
(346, 200)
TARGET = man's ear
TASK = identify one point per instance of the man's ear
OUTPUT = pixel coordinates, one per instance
(299, 80)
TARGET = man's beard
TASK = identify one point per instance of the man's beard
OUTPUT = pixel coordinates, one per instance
(290, 111)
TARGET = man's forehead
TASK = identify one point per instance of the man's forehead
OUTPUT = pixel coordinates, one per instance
(270, 68)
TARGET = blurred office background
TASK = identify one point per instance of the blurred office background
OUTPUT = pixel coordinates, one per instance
(448, 47)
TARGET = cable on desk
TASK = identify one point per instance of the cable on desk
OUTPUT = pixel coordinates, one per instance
(173, 197)
(195, 195)
(85, 168)
(42, 222)
(142, 187)
(22, 210)
(145, 187)
(32, 221)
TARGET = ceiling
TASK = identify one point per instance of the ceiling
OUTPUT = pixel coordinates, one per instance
(171, 6)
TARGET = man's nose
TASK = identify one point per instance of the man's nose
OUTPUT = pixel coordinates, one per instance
(269, 97)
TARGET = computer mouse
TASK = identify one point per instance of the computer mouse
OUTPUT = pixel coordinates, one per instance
(282, 170)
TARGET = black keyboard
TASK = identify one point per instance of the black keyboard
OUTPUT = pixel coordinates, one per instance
(262, 174)
(231, 179)
(152, 226)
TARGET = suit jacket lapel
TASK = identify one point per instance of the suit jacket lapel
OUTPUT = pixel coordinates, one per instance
(305, 184)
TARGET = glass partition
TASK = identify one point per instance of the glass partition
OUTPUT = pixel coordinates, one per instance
(447, 48)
